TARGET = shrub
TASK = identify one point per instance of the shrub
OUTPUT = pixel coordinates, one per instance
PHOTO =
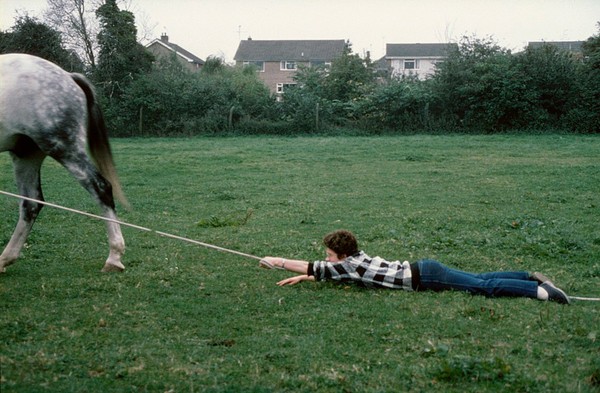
(170, 100)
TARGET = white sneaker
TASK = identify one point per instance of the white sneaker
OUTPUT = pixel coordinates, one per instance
(555, 294)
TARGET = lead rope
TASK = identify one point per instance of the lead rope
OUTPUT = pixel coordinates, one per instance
(164, 234)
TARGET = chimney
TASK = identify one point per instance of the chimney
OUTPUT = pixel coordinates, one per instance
(164, 38)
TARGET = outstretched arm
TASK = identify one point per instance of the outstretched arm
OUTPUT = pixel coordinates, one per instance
(293, 265)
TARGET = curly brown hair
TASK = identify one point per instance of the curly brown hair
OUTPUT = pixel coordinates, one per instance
(342, 242)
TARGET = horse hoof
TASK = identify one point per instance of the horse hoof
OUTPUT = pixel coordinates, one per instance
(109, 268)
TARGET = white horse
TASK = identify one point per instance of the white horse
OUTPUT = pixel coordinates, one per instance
(46, 111)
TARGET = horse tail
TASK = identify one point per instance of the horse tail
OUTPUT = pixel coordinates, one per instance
(97, 137)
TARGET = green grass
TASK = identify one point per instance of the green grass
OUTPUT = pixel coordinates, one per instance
(183, 318)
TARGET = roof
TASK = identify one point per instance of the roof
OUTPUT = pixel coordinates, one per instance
(190, 57)
(293, 50)
(417, 50)
(569, 46)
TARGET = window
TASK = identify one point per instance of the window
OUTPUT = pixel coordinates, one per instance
(411, 64)
(282, 87)
(260, 65)
(288, 65)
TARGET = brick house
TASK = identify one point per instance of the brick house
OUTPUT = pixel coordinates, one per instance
(163, 48)
(277, 61)
(415, 59)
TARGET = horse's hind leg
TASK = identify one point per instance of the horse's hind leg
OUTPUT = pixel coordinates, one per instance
(27, 176)
(101, 190)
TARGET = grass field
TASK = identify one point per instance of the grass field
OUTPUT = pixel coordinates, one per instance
(183, 318)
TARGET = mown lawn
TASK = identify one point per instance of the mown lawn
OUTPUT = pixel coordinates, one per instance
(183, 318)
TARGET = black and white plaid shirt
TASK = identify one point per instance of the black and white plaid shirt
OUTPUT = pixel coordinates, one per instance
(362, 269)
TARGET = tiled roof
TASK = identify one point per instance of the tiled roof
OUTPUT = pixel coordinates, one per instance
(179, 50)
(293, 50)
(570, 46)
(417, 50)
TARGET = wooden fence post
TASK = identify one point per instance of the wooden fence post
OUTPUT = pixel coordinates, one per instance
(141, 126)
(317, 118)
(230, 122)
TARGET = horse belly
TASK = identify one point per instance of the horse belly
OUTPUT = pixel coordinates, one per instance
(7, 142)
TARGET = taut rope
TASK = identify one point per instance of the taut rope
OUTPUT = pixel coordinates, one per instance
(164, 234)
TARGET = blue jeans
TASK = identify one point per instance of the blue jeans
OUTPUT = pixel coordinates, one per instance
(438, 277)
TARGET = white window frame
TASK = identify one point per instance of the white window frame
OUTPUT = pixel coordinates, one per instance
(415, 63)
(288, 65)
(281, 87)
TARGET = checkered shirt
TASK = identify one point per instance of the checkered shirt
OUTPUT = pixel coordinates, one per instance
(362, 269)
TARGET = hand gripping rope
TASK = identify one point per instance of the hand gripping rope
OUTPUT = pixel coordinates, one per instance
(164, 234)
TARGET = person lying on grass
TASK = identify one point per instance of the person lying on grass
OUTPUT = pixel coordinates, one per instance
(346, 263)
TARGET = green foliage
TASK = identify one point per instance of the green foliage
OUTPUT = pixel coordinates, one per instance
(591, 51)
(121, 57)
(550, 78)
(349, 78)
(326, 96)
(305, 111)
(400, 104)
(479, 88)
(484, 87)
(584, 115)
(185, 318)
(28, 35)
(170, 100)
(251, 99)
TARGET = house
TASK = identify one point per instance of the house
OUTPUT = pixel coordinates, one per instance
(573, 47)
(163, 48)
(277, 61)
(415, 59)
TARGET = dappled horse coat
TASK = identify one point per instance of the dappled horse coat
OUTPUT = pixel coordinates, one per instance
(46, 111)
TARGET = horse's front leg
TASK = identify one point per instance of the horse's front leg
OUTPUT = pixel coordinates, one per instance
(101, 190)
(116, 244)
(27, 176)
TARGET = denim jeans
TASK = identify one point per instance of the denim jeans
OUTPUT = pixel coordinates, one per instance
(438, 277)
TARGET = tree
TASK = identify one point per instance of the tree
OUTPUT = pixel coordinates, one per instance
(349, 77)
(478, 88)
(586, 116)
(591, 51)
(398, 104)
(550, 75)
(78, 29)
(28, 35)
(173, 100)
(121, 57)
(329, 94)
